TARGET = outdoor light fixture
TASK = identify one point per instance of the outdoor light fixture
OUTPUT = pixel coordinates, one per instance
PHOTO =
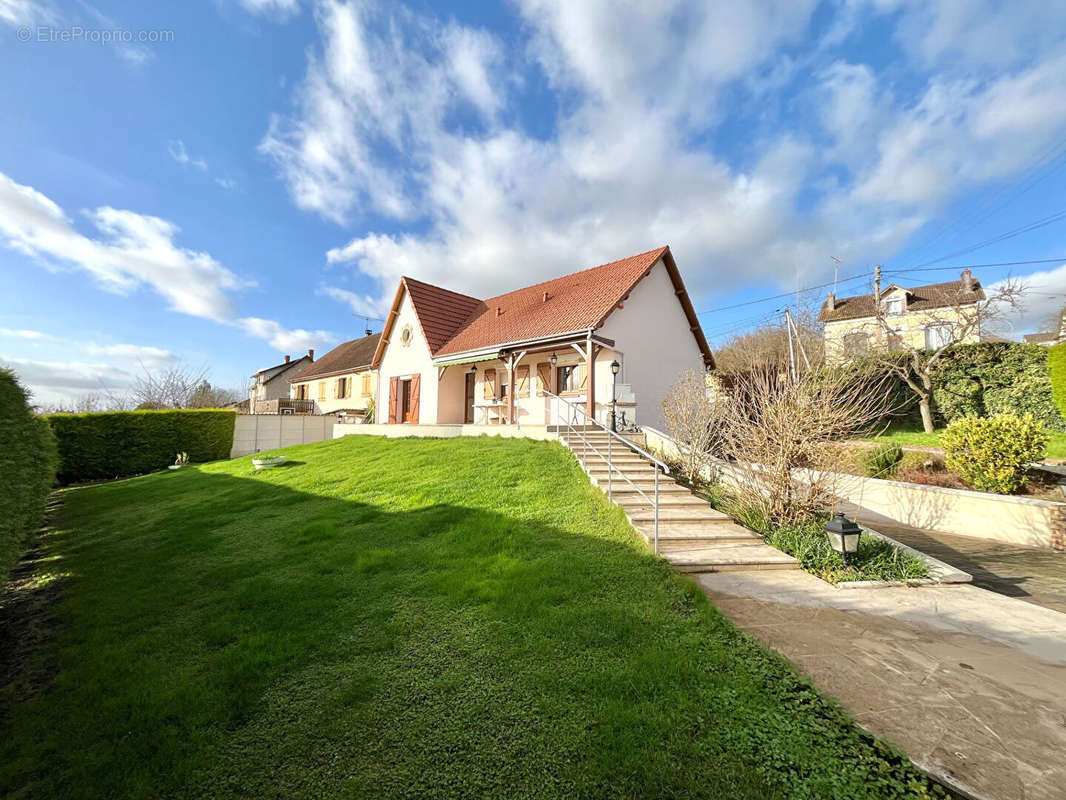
(473, 368)
(553, 359)
(615, 366)
(502, 355)
(843, 535)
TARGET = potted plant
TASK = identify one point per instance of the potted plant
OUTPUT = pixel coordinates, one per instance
(180, 461)
(267, 460)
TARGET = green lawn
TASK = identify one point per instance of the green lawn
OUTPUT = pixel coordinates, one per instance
(912, 434)
(400, 618)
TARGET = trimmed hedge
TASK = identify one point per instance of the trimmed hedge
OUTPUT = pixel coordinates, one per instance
(121, 443)
(991, 378)
(27, 470)
(1056, 368)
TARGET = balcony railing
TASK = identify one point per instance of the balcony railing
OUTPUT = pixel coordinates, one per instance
(284, 406)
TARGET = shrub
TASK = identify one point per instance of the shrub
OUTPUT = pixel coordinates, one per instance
(996, 378)
(882, 461)
(990, 453)
(121, 443)
(27, 470)
(1056, 367)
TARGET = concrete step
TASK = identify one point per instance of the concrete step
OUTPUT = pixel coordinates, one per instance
(619, 484)
(645, 470)
(729, 557)
(632, 500)
(695, 538)
(690, 515)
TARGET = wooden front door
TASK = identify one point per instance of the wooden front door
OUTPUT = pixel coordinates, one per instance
(405, 401)
(468, 416)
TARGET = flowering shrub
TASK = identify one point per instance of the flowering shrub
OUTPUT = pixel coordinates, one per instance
(991, 453)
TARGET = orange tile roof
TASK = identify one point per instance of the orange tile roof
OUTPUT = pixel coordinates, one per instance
(456, 323)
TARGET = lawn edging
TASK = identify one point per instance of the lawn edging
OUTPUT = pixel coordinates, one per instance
(942, 572)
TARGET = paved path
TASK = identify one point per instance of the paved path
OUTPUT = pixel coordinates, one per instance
(1035, 576)
(970, 684)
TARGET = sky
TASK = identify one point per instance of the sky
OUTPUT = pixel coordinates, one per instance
(219, 183)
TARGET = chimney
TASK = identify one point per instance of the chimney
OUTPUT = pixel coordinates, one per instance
(545, 297)
(367, 332)
(499, 311)
(311, 354)
(287, 359)
(831, 302)
(967, 280)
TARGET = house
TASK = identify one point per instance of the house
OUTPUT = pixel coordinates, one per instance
(342, 380)
(920, 317)
(1049, 338)
(568, 347)
(271, 385)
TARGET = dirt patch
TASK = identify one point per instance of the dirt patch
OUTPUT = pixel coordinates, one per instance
(27, 624)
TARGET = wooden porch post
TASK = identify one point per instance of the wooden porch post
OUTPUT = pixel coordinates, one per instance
(510, 390)
(590, 394)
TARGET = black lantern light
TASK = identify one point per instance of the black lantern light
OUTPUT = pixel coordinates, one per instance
(615, 366)
(843, 535)
(502, 355)
(554, 359)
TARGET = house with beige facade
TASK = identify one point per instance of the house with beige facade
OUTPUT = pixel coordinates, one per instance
(917, 317)
(341, 380)
(270, 386)
(611, 338)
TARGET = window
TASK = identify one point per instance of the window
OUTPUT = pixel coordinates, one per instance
(937, 336)
(301, 391)
(894, 306)
(566, 378)
(342, 388)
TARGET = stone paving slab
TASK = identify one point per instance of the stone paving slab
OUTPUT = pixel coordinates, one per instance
(970, 684)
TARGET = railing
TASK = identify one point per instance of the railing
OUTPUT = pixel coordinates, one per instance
(286, 406)
(570, 420)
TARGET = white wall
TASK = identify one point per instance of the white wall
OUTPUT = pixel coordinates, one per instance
(255, 433)
(651, 333)
(403, 362)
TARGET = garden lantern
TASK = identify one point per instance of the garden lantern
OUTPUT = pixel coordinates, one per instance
(615, 366)
(843, 535)
(553, 359)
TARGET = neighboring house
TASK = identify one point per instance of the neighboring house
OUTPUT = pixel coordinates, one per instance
(1049, 338)
(920, 317)
(272, 384)
(342, 380)
(447, 358)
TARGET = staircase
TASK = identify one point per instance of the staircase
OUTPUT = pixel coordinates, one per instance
(692, 536)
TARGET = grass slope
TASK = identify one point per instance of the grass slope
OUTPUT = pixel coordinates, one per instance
(911, 434)
(402, 618)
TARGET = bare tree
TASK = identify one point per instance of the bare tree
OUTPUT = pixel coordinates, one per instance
(173, 387)
(767, 347)
(694, 422)
(208, 396)
(959, 319)
(774, 425)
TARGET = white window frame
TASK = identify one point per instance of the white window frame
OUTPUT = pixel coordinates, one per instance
(935, 335)
(894, 306)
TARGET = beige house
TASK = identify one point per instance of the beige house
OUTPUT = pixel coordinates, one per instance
(270, 386)
(919, 317)
(342, 380)
(614, 336)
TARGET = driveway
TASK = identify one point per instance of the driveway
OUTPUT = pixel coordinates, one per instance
(970, 684)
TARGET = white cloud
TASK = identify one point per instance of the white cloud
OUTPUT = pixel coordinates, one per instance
(23, 333)
(226, 183)
(129, 251)
(282, 338)
(1044, 299)
(360, 304)
(26, 12)
(176, 148)
(56, 382)
(149, 357)
(281, 9)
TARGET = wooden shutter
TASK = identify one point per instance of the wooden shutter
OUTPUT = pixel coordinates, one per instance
(366, 384)
(322, 390)
(522, 381)
(394, 399)
(490, 384)
(582, 377)
(416, 381)
(544, 378)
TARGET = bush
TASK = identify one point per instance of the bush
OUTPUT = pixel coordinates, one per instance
(882, 461)
(27, 470)
(1056, 368)
(996, 378)
(990, 454)
(121, 443)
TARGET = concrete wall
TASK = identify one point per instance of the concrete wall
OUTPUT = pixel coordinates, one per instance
(653, 343)
(981, 515)
(444, 431)
(403, 362)
(255, 433)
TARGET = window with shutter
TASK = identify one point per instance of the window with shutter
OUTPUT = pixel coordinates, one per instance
(490, 384)
(544, 378)
(366, 384)
(522, 382)
(568, 379)
(416, 381)
(321, 390)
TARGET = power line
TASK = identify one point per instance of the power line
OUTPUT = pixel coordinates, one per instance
(1026, 228)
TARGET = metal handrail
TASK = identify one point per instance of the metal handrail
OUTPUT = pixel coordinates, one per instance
(611, 436)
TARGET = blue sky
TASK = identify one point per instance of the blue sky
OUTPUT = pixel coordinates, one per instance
(253, 177)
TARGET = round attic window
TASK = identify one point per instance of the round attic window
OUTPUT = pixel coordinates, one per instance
(406, 334)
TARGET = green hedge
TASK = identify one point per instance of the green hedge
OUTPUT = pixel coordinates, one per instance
(121, 443)
(1056, 367)
(27, 470)
(991, 378)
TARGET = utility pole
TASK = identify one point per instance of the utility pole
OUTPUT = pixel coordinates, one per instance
(877, 283)
(799, 340)
(836, 273)
(791, 352)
